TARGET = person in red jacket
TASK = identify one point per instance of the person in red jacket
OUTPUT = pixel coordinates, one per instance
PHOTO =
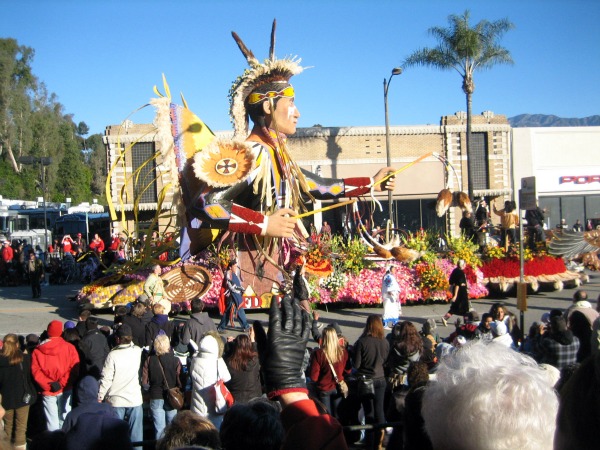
(55, 366)
(97, 244)
(7, 252)
(67, 244)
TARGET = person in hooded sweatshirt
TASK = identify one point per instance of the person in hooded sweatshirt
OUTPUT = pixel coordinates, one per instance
(160, 321)
(206, 368)
(198, 325)
(88, 403)
(500, 334)
(55, 367)
(95, 348)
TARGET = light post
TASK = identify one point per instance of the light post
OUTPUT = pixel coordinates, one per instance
(386, 85)
(42, 161)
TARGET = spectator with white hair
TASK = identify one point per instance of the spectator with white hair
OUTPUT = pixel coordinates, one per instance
(487, 397)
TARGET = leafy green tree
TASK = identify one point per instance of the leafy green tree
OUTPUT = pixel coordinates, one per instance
(73, 175)
(16, 83)
(465, 49)
(97, 165)
(33, 123)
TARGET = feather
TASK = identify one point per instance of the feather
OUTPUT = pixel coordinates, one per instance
(272, 47)
(245, 50)
(463, 201)
(444, 200)
(404, 254)
(380, 251)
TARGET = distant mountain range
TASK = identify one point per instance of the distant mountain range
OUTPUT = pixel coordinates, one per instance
(543, 120)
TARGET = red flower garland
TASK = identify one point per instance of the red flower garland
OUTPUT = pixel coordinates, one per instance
(510, 267)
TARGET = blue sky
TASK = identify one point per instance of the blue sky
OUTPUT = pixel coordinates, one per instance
(102, 58)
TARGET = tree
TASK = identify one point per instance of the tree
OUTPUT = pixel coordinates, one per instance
(465, 50)
(73, 176)
(16, 83)
(97, 165)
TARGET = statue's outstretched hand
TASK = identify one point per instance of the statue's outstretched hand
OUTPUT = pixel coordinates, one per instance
(387, 185)
(281, 223)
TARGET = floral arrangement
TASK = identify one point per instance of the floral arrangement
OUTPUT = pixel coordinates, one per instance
(462, 248)
(510, 267)
(340, 271)
(419, 240)
(494, 252)
(351, 255)
(335, 281)
(318, 256)
(432, 280)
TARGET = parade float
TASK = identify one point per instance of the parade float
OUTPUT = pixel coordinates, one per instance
(349, 274)
(202, 177)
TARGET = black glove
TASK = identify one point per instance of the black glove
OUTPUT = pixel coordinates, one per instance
(55, 386)
(282, 351)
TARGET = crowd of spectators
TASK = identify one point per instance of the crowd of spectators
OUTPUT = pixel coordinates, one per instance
(82, 385)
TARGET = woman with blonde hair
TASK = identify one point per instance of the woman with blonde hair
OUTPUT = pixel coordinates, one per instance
(161, 369)
(329, 357)
(16, 389)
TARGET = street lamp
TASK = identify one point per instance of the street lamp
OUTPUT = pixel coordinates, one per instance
(386, 85)
(42, 161)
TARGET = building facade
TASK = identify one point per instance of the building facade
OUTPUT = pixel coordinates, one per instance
(565, 162)
(339, 152)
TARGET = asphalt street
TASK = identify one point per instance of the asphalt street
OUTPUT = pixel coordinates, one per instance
(21, 314)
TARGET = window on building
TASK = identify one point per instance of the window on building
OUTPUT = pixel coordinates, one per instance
(145, 189)
(592, 207)
(478, 161)
(572, 208)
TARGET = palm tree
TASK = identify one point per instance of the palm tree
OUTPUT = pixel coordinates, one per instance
(465, 49)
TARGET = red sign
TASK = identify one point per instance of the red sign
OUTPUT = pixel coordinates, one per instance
(580, 179)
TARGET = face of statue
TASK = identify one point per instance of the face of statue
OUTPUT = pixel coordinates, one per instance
(285, 117)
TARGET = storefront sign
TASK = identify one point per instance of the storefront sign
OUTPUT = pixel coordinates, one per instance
(580, 179)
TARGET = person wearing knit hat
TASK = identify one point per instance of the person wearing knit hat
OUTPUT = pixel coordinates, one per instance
(55, 367)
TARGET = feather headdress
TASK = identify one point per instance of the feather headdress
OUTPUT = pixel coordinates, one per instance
(271, 69)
